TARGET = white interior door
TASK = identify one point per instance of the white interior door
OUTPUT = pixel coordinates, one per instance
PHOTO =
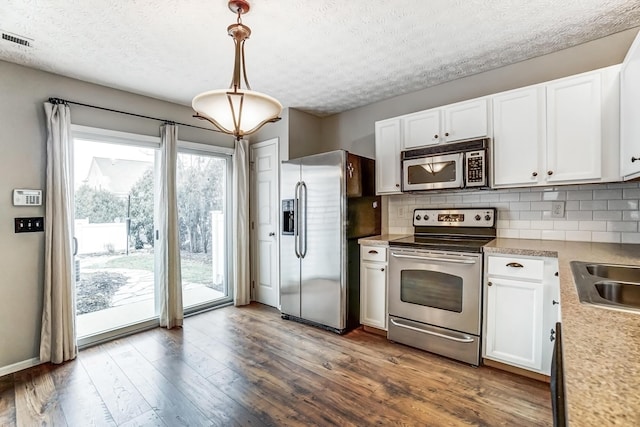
(264, 222)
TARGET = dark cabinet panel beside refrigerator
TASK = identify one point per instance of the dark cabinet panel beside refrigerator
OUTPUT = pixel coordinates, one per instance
(328, 202)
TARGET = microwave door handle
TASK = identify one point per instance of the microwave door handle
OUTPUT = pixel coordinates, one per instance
(438, 259)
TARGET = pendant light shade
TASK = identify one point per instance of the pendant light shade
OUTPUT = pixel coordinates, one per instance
(240, 112)
(237, 111)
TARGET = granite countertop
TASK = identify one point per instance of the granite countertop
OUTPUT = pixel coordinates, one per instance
(381, 240)
(601, 346)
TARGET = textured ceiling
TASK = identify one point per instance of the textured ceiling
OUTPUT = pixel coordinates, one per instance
(320, 56)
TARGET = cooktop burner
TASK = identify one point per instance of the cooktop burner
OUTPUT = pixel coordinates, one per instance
(461, 230)
(442, 243)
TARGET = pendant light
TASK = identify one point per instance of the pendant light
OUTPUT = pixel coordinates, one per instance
(237, 111)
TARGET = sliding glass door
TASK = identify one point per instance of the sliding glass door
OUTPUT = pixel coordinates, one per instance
(114, 234)
(203, 210)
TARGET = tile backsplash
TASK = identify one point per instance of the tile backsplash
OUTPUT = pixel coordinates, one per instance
(593, 213)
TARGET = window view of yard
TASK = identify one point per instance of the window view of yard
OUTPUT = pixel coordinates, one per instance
(114, 228)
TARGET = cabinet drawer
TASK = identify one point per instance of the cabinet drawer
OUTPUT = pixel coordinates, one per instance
(374, 253)
(523, 268)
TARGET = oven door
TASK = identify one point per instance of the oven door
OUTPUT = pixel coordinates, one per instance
(432, 173)
(437, 288)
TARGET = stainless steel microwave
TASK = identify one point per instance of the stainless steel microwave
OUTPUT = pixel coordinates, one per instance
(455, 165)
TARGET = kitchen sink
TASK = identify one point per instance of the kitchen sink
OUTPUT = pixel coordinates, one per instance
(622, 273)
(620, 292)
(608, 285)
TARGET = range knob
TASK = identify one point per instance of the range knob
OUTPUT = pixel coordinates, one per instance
(487, 217)
(426, 217)
(478, 217)
(418, 217)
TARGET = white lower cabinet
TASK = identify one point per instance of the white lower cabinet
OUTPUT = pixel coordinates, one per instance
(521, 307)
(373, 286)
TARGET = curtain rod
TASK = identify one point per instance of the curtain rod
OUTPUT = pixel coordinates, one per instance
(66, 101)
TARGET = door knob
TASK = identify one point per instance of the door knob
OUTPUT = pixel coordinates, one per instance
(272, 234)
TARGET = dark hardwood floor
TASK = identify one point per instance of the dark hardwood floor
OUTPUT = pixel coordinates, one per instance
(247, 367)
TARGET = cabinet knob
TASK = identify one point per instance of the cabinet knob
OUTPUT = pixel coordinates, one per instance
(633, 159)
(549, 172)
(382, 269)
(534, 174)
(489, 284)
(398, 185)
(554, 302)
(435, 136)
(446, 134)
(272, 234)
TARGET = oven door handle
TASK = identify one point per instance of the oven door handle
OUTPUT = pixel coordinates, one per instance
(426, 258)
(465, 340)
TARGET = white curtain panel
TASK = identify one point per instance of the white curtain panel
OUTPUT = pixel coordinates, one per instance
(58, 333)
(241, 281)
(168, 243)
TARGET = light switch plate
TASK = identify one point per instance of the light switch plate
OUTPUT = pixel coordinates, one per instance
(557, 209)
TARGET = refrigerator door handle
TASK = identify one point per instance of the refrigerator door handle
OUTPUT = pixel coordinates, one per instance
(296, 213)
(303, 221)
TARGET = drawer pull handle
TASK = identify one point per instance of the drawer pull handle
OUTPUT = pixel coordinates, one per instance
(373, 252)
(515, 265)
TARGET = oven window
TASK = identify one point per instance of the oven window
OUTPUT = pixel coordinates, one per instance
(431, 289)
(432, 173)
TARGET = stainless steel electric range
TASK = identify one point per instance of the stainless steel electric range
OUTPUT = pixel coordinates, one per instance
(435, 282)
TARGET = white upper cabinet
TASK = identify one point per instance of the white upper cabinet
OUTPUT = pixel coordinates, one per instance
(519, 136)
(562, 132)
(451, 123)
(466, 120)
(574, 133)
(420, 129)
(388, 139)
(630, 112)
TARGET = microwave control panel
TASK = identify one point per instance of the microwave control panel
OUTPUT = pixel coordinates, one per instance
(475, 168)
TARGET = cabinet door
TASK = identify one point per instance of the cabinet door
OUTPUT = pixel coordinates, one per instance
(514, 322)
(421, 129)
(574, 135)
(519, 134)
(466, 120)
(388, 136)
(373, 294)
(630, 112)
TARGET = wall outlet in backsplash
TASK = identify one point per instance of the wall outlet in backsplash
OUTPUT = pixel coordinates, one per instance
(592, 213)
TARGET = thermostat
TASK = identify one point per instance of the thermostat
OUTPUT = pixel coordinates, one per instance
(27, 197)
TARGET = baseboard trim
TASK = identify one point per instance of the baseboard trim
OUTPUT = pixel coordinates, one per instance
(10, 369)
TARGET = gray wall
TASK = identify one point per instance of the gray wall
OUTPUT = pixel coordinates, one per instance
(22, 165)
(354, 130)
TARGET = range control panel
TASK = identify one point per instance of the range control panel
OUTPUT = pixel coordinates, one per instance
(461, 217)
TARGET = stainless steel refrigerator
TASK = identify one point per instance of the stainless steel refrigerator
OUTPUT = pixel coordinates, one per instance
(328, 202)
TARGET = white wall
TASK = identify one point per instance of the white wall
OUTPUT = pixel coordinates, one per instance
(22, 165)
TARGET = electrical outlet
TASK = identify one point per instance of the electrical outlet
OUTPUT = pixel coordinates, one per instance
(557, 209)
(402, 212)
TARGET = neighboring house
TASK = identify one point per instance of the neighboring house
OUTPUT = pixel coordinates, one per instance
(115, 175)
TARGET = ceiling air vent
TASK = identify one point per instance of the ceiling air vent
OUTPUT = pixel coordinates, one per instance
(16, 39)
